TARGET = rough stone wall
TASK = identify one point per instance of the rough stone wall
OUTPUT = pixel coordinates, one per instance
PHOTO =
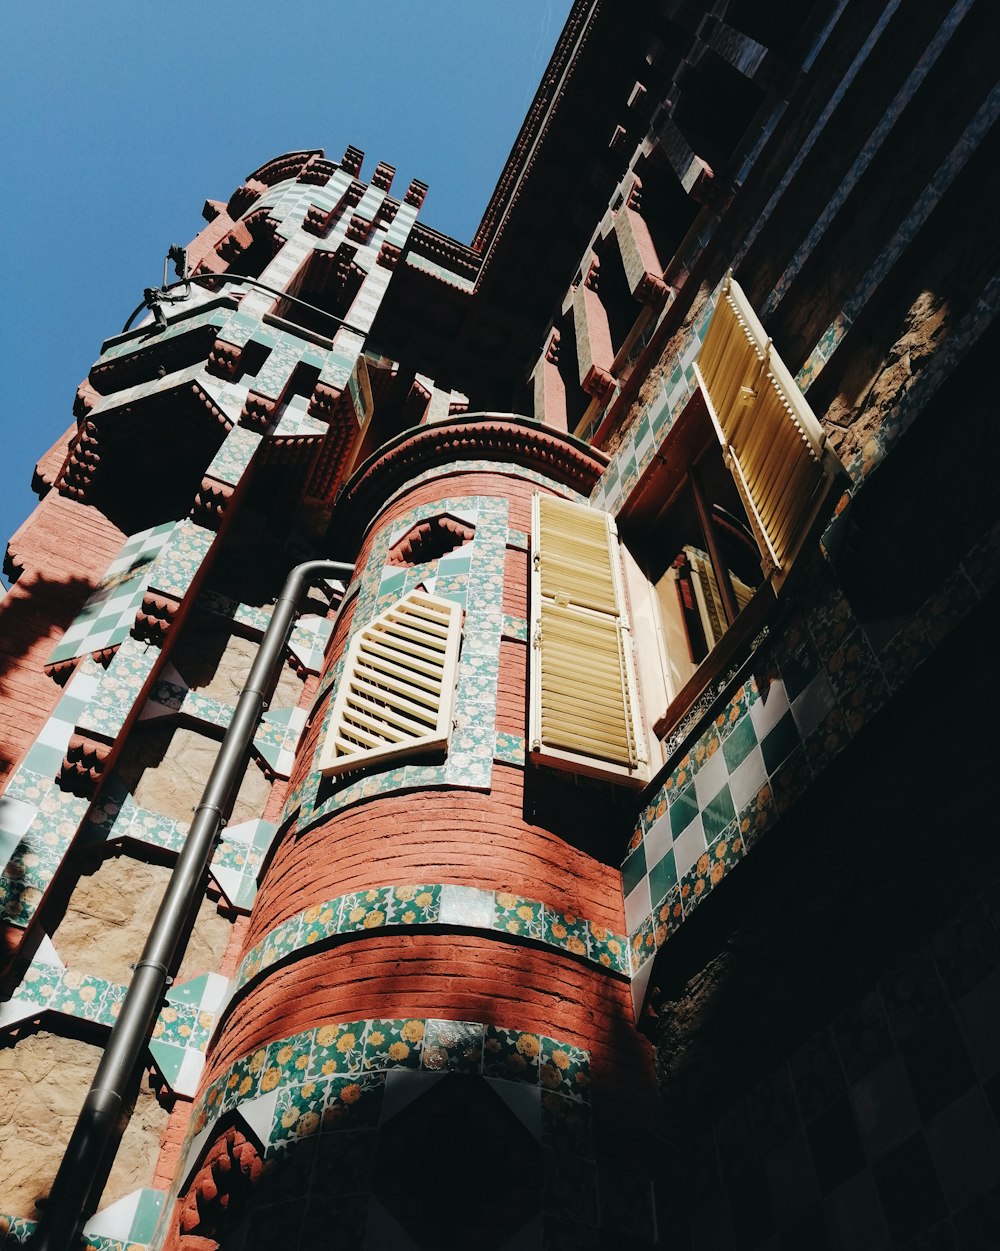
(108, 915)
(43, 1082)
(166, 769)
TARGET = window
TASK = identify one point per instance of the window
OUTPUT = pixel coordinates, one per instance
(707, 539)
(397, 691)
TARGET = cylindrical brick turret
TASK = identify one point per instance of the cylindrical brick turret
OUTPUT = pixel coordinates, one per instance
(449, 915)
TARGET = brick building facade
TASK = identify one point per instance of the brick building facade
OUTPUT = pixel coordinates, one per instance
(612, 865)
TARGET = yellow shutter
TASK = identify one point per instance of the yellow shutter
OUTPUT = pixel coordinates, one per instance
(775, 446)
(584, 703)
(396, 694)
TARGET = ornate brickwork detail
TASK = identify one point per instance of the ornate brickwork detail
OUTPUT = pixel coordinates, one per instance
(383, 175)
(351, 161)
(388, 256)
(416, 193)
(224, 359)
(155, 616)
(84, 764)
(81, 464)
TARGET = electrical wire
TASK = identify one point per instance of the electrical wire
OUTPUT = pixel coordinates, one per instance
(231, 277)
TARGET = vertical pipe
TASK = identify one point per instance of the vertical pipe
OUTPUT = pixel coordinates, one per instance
(105, 1111)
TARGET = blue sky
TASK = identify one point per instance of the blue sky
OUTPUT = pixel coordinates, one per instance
(121, 118)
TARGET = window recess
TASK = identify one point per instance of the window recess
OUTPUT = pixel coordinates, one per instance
(712, 531)
(584, 710)
(397, 692)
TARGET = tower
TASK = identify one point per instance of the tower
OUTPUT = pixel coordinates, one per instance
(514, 927)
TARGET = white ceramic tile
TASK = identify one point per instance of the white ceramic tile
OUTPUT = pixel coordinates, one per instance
(259, 1113)
(658, 839)
(402, 1086)
(638, 905)
(688, 846)
(710, 778)
(811, 705)
(465, 905)
(523, 1100)
(748, 779)
(640, 984)
(15, 817)
(115, 1221)
(769, 709)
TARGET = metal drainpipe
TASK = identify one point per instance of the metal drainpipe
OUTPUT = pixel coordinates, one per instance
(106, 1111)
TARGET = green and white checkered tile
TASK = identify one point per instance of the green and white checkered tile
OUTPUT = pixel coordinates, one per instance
(47, 751)
(295, 420)
(309, 641)
(131, 1221)
(183, 1029)
(278, 738)
(40, 979)
(238, 858)
(108, 614)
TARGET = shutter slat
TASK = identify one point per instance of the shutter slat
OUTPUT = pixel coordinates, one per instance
(583, 699)
(396, 693)
(775, 441)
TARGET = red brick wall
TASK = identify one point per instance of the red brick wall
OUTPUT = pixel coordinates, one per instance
(460, 977)
(458, 836)
(63, 549)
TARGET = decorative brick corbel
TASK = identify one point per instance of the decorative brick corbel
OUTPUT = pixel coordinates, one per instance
(85, 399)
(352, 160)
(224, 359)
(316, 220)
(359, 228)
(81, 464)
(258, 411)
(324, 400)
(244, 196)
(237, 240)
(210, 502)
(416, 193)
(383, 175)
(84, 763)
(156, 615)
(388, 256)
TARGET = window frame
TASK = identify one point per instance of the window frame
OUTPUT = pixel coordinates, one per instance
(391, 626)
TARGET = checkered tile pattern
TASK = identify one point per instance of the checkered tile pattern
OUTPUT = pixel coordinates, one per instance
(108, 615)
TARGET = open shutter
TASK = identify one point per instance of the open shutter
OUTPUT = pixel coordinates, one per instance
(774, 444)
(397, 692)
(584, 713)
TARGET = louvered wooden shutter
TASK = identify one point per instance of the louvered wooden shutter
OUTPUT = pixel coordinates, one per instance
(774, 445)
(397, 692)
(584, 708)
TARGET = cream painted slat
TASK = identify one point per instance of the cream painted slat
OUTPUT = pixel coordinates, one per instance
(584, 699)
(775, 446)
(397, 691)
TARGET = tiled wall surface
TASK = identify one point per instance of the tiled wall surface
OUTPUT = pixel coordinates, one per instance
(325, 1097)
(472, 576)
(882, 1129)
(811, 691)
